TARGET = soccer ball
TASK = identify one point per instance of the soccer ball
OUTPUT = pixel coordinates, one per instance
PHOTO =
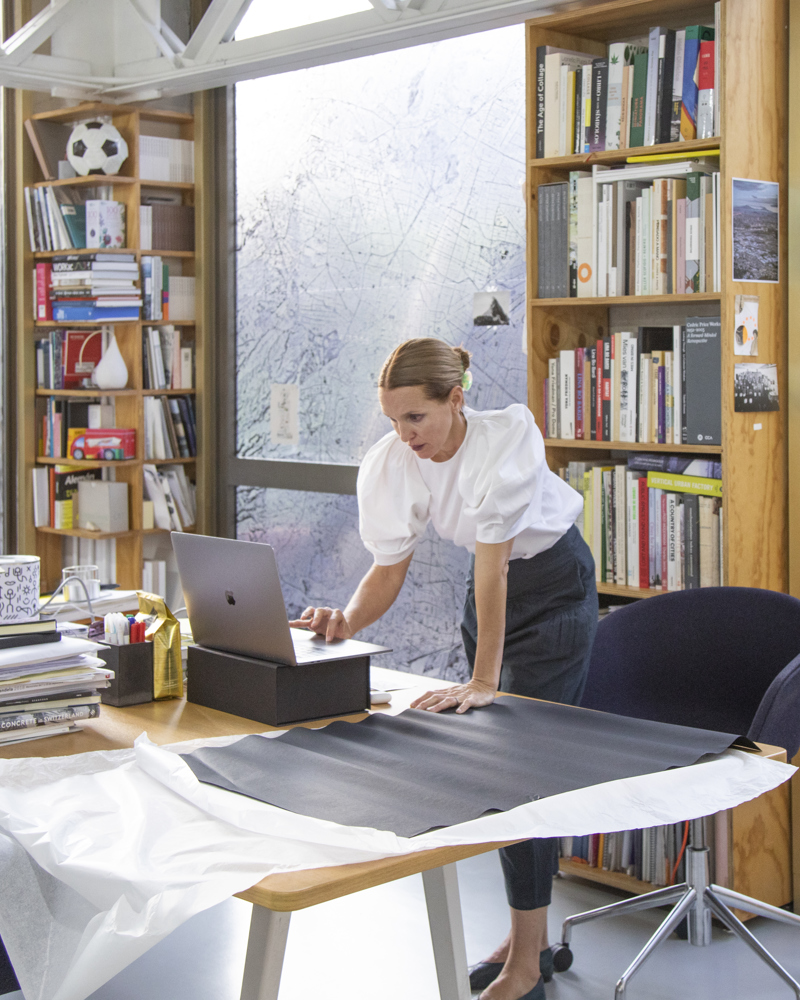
(96, 148)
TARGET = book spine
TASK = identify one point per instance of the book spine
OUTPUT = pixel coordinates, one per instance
(573, 233)
(692, 233)
(644, 534)
(599, 102)
(695, 34)
(593, 394)
(579, 393)
(614, 101)
(677, 87)
(566, 395)
(540, 54)
(606, 397)
(43, 305)
(691, 569)
(662, 404)
(654, 44)
(664, 113)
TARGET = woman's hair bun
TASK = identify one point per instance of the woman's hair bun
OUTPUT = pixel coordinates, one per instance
(463, 356)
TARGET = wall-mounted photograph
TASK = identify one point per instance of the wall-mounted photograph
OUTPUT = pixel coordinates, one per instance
(755, 231)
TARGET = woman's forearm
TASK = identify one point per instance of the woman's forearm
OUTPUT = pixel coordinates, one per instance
(375, 594)
(491, 570)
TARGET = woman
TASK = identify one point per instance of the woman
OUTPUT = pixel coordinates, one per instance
(531, 610)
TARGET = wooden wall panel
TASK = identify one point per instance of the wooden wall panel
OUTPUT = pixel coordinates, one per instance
(753, 116)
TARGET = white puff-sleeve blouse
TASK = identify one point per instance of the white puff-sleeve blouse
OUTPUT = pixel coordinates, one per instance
(496, 487)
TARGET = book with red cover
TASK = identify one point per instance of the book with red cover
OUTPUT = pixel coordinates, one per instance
(44, 308)
(644, 534)
(82, 350)
(598, 425)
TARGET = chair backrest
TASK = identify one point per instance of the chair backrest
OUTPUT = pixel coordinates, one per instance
(701, 658)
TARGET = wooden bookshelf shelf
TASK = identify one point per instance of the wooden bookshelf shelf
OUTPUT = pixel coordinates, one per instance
(89, 464)
(170, 461)
(627, 300)
(47, 254)
(617, 880)
(609, 157)
(92, 180)
(85, 393)
(618, 590)
(175, 185)
(167, 392)
(84, 533)
(89, 108)
(697, 449)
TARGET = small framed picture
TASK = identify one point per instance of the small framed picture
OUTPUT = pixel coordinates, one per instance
(755, 388)
(755, 222)
(491, 308)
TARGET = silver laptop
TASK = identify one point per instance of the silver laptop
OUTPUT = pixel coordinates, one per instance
(235, 603)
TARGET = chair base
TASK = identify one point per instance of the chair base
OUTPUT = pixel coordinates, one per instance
(696, 900)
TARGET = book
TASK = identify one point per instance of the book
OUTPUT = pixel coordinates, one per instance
(695, 34)
(75, 220)
(677, 87)
(665, 87)
(40, 626)
(654, 52)
(584, 237)
(599, 104)
(706, 101)
(29, 639)
(566, 396)
(105, 223)
(685, 484)
(702, 380)
(554, 60)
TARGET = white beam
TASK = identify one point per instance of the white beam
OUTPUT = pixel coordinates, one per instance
(213, 27)
(154, 30)
(36, 31)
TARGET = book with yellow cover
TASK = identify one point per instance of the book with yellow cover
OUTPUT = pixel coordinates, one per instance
(685, 484)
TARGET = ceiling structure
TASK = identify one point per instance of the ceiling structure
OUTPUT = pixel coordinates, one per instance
(124, 50)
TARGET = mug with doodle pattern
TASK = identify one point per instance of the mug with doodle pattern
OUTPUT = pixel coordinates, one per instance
(19, 588)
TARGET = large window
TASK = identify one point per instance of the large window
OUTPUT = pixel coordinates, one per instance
(374, 199)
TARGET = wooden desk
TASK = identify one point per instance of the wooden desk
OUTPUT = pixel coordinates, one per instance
(276, 896)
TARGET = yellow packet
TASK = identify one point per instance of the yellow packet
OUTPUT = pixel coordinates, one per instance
(165, 633)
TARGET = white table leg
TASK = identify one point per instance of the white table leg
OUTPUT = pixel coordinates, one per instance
(265, 947)
(447, 932)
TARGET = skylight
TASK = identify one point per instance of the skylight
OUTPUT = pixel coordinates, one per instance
(266, 16)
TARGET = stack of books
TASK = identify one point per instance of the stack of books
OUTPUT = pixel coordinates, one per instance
(656, 855)
(660, 88)
(655, 523)
(166, 227)
(163, 159)
(172, 496)
(48, 683)
(94, 287)
(637, 230)
(170, 429)
(166, 363)
(65, 359)
(659, 385)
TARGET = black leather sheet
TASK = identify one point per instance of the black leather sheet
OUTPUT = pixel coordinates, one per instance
(421, 770)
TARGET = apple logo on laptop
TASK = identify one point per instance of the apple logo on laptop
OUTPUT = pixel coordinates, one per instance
(229, 597)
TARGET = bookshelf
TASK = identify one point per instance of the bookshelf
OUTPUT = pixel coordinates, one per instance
(127, 188)
(753, 449)
(752, 144)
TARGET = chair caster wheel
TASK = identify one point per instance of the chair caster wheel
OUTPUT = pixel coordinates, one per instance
(562, 957)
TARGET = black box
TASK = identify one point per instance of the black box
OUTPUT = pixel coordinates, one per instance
(273, 693)
(133, 670)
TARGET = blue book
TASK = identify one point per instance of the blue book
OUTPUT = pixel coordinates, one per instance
(695, 34)
(77, 314)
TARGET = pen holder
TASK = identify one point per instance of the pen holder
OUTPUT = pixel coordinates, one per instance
(133, 674)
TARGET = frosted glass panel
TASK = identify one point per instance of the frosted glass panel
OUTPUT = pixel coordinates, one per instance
(375, 197)
(321, 560)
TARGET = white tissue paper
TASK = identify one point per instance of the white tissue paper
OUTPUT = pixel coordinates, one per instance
(104, 854)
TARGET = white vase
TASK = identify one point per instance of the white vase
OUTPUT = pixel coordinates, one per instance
(111, 372)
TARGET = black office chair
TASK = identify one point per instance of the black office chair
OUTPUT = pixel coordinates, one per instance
(723, 658)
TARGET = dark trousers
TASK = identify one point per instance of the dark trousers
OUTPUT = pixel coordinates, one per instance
(551, 619)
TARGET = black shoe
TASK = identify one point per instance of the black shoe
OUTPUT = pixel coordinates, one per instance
(483, 973)
(546, 966)
(537, 993)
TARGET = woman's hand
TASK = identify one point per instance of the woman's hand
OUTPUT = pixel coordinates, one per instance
(329, 622)
(462, 697)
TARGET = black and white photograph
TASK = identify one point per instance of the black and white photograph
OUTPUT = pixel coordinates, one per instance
(755, 388)
(491, 308)
(755, 223)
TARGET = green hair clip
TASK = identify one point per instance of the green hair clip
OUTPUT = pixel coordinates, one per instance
(466, 381)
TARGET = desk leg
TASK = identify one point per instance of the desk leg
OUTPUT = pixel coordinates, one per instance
(265, 947)
(447, 932)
